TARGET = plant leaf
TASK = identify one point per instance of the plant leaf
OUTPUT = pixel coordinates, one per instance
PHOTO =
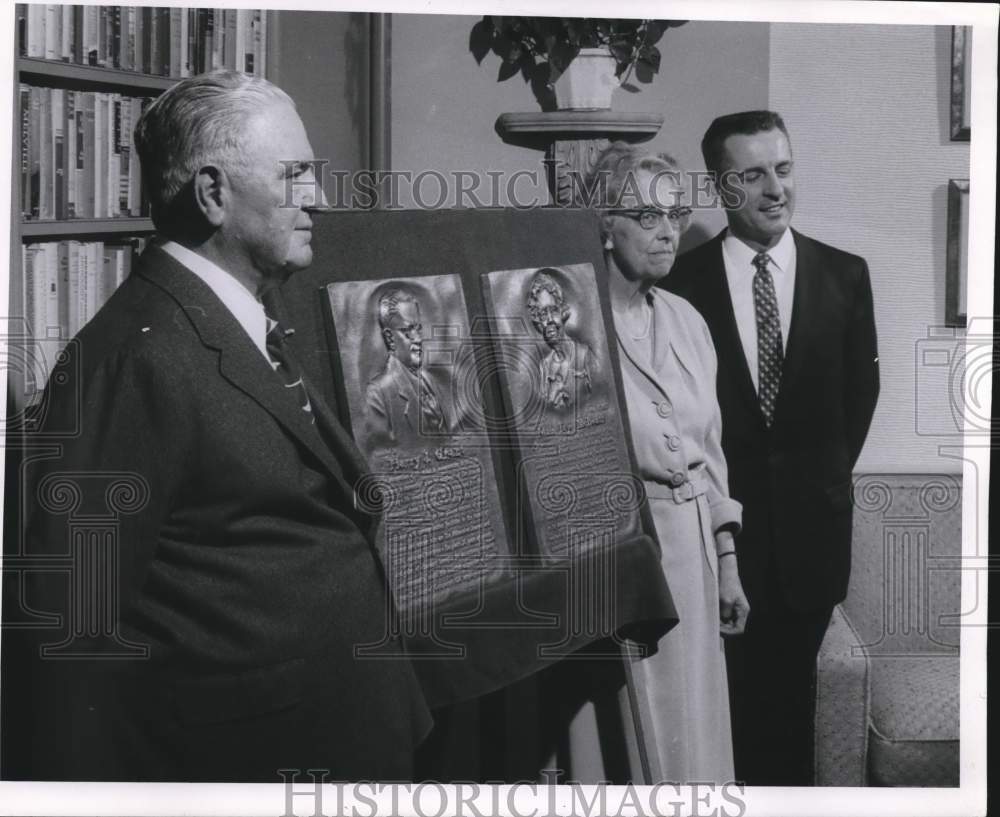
(507, 70)
(628, 86)
(644, 71)
(481, 39)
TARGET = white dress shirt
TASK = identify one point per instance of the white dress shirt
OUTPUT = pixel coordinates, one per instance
(247, 310)
(738, 258)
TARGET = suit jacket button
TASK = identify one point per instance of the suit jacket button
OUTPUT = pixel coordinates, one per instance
(673, 442)
(664, 409)
(678, 479)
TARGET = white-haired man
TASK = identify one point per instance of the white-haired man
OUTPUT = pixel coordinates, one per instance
(249, 572)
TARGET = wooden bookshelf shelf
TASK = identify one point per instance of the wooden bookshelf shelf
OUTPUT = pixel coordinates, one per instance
(70, 75)
(84, 227)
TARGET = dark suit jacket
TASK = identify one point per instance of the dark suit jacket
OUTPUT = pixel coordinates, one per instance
(794, 479)
(246, 570)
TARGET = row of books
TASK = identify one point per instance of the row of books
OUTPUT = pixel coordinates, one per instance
(77, 158)
(169, 42)
(65, 283)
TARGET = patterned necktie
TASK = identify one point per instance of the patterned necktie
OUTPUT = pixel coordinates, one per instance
(285, 365)
(769, 350)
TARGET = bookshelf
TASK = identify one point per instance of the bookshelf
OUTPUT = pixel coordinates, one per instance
(88, 56)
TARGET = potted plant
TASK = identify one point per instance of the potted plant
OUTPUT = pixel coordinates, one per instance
(579, 60)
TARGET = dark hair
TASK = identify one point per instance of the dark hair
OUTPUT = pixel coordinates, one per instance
(746, 123)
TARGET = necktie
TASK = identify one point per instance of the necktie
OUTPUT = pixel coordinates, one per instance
(285, 365)
(769, 352)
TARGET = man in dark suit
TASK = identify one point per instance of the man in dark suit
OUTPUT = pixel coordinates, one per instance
(793, 326)
(243, 581)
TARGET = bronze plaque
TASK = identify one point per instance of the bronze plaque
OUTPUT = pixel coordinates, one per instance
(406, 358)
(559, 391)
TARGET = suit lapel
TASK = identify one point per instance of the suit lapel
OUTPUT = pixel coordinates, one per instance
(719, 306)
(803, 305)
(240, 361)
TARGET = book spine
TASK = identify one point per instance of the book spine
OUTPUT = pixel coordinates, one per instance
(100, 155)
(114, 156)
(128, 38)
(230, 43)
(96, 260)
(115, 36)
(36, 30)
(53, 35)
(73, 290)
(105, 275)
(46, 203)
(87, 187)
(79, 15)
(206, 24)
(124, 113)
(22, 30)
(164, 68)
(62, 253)
(218, 30)
(24, 100)
(146, 24)
(83, 275)
(28, 253)
(59, 151)
(185, 55)
(91, 35)
(134, 178)
(177, 16)
(51, 292)
(103, 30)
(66, 34)
(155, 59)
(34, 146)
(240, 45)
(71, 154)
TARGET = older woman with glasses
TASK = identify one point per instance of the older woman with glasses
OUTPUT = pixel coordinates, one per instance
(668, 368)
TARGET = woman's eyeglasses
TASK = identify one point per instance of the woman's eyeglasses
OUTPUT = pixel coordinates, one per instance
(649, 218)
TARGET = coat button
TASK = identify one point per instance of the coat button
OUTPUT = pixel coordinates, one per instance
(664, 409)
(678, 479)
(673, 442)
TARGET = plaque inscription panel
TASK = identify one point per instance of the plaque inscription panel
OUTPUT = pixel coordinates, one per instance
(556, 378)
(404, 354)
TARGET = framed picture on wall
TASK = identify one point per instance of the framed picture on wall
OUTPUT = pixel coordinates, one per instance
(957, 260)
(961, 82)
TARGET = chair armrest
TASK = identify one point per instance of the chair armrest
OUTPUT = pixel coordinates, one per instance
(842, 703)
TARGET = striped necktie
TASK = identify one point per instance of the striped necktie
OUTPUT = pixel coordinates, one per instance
(769, 350)
(285, 365)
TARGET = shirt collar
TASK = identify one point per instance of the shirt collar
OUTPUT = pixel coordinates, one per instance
(247, 310)
(742, 255)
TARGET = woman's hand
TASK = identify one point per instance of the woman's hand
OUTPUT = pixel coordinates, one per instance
(733, 605)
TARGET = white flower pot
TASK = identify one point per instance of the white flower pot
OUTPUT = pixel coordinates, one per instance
(588, 81)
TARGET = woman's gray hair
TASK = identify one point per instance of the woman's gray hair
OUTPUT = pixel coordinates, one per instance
(615, 174)
(199, 121)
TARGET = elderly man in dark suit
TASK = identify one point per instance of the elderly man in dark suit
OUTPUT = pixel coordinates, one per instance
(793, 326)
(247, 581)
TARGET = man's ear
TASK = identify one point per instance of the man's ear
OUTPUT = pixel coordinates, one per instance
(211, 194)
(390, 344)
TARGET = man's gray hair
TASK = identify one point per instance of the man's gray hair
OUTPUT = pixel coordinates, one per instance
(199, 121)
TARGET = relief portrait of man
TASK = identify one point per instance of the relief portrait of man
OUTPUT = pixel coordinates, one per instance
(404, 407)
(565, 365)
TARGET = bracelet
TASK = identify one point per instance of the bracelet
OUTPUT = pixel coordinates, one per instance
(727, 553)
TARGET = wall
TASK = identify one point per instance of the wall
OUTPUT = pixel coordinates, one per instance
(869, 123)
(444, 105)
(868, 110)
